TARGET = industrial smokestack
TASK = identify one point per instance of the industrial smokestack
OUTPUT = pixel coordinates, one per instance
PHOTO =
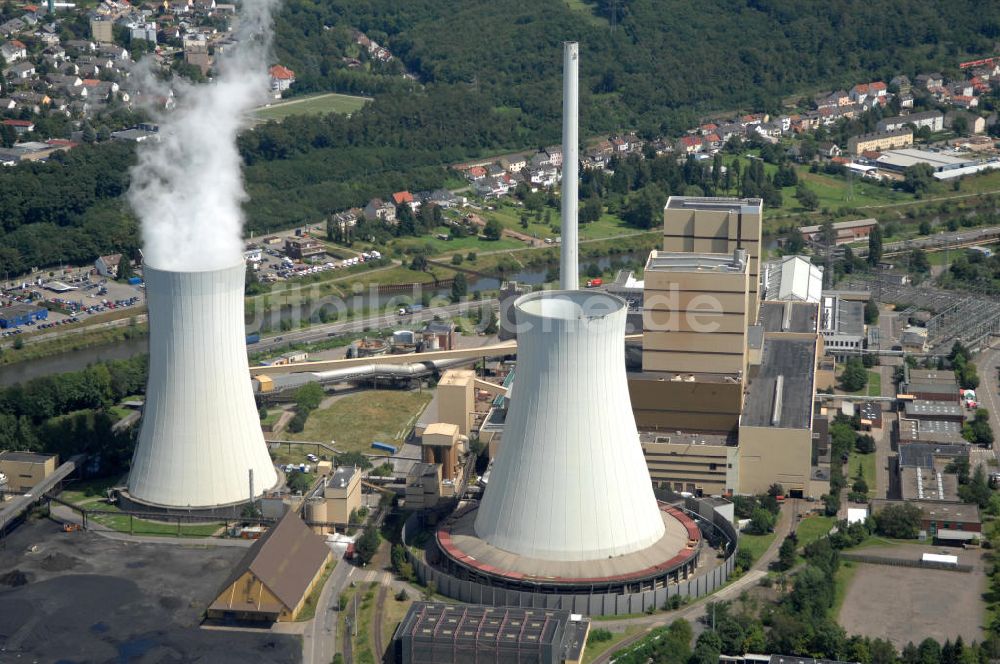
(569, 276)
(570, 482)
(200, 428)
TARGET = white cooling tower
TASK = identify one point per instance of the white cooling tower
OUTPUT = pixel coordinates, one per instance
(200, 435)
(570, 482)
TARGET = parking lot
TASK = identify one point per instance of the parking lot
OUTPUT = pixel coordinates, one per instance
(900, 602)
(80, 597)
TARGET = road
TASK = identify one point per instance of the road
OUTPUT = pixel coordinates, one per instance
(378, 321)
(696, 610)
(987, 392)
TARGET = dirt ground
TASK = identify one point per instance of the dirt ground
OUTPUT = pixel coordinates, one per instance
(78, 597)
(906, 604)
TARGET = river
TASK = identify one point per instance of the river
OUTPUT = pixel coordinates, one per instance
(80, 359)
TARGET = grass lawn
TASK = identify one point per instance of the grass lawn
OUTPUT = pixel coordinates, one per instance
(463, 245)
(865, 463)
(757, 544)
(120, 522)
(311, 105)
(89, 491)
(309, 608)
(392, 614)
(872, 389)
(297, 453)
(842, 581)
(595, 650)
(357, 420)
(273, 415)
(813, 528)
(362, 642)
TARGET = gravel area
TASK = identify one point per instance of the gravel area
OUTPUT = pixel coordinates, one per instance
(79, 597)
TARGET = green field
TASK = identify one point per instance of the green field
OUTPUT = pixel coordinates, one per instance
(813, 528)
(120, 522)
(356, 421)
(595, 650)
(311, 105)
(865, 463)
(842, 581)
(757, 544)
(434, 246)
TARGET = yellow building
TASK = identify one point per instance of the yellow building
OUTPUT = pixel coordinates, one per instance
(342, 492)
(702, 464)
(457, 399)
(718, 226)
(880, 141)
(24, 470)
(275, 577)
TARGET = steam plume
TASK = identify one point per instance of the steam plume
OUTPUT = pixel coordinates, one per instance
(187, 187)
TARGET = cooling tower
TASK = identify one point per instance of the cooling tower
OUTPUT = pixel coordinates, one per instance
(570, 482)
(200, 435)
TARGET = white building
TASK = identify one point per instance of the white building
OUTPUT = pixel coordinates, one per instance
(793, 278)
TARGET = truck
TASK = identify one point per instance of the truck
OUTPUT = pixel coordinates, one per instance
(134, 281)
(253, 338)
(385, 447)
(594, 283)
(410, 308)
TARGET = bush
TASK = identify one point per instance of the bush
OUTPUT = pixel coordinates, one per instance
(456, 259)
(901, 521)
(402, 596)
(599, 636)
(761, 522)
(297, 482)
(298, 422)
(864, 444)
(744, 559)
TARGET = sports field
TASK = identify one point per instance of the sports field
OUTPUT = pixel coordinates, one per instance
(311, 105)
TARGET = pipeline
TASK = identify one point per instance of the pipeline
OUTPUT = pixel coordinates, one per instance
(374, 370)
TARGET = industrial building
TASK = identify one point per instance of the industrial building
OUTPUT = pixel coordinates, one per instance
(697, 463)
(792, 279)
(900, 160)
(934, 410)
(200, 444)
(341, 497)
(940, 521)
(718, 226)
(936, 432)
(845, 232)
(24, 470)
(842, 326)
(696, 309)
(273, 580)
(442, 444)
(436, 633)
(21, 314)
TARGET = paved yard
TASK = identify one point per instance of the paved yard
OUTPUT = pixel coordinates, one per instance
(909, 604)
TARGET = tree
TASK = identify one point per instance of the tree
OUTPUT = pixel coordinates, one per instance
(787, 554)
(977, 490)
(807, 197)
(459, 287)
(925, 227)
(298, 422)
(125, 271)
(918, 179)
(308, 397)
(831, 504)
(875, 245)
(864, 444)
(761, 522)
(854, 377)
(367, 544)
(919, 264)
(297, 482)
(871, 312)
(744, 558)
(901, 521)
(493, 230)
(419, 263)
(262, 413)
(775, 490)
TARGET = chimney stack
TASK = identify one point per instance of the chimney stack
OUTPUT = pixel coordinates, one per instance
(569, 274)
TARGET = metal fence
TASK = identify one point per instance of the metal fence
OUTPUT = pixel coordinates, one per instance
(904, 562)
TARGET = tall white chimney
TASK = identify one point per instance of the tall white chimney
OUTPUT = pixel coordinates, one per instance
(569, 275)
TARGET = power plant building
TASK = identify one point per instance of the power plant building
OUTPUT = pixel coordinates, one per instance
(718, 226)
(200, 445)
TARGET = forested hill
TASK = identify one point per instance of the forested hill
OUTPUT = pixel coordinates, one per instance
(666, 59)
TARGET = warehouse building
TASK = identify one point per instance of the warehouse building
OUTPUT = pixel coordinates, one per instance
(899, 160)
(24, 470)
(933, 432)
(21, 314)
(275, 577)
(437, 633)
(940, 390)
(934, 410)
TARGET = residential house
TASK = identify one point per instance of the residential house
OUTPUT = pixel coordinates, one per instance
(7, 104)
(934, 120)
(13, 50)
(689, 145)
(476, 173)
(114, 52)
(107, 266)
(828, 150)
(619, 144)
(345, 220)
(928, 81)
(443, 198)
(380, 210)
(513, 164)
(12, 27)
(21, 71)
(901, 83)
(81, 46)
(963, 89)
(282, 78)
(21, 127)
(906, 100)
(976, 124)
(965, 101)
(401, 197)
(555, 155)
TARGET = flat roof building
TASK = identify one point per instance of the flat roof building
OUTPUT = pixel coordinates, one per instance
(24, 470)
(934, 410)
(699, 463)
(842, 324)
(900, 160)
(776, 425)
(21, 314)
(718, 226)
(880, 141)
(938, 390)
(790, 317)
(342, 493)
(936, 432)
(437, 633)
